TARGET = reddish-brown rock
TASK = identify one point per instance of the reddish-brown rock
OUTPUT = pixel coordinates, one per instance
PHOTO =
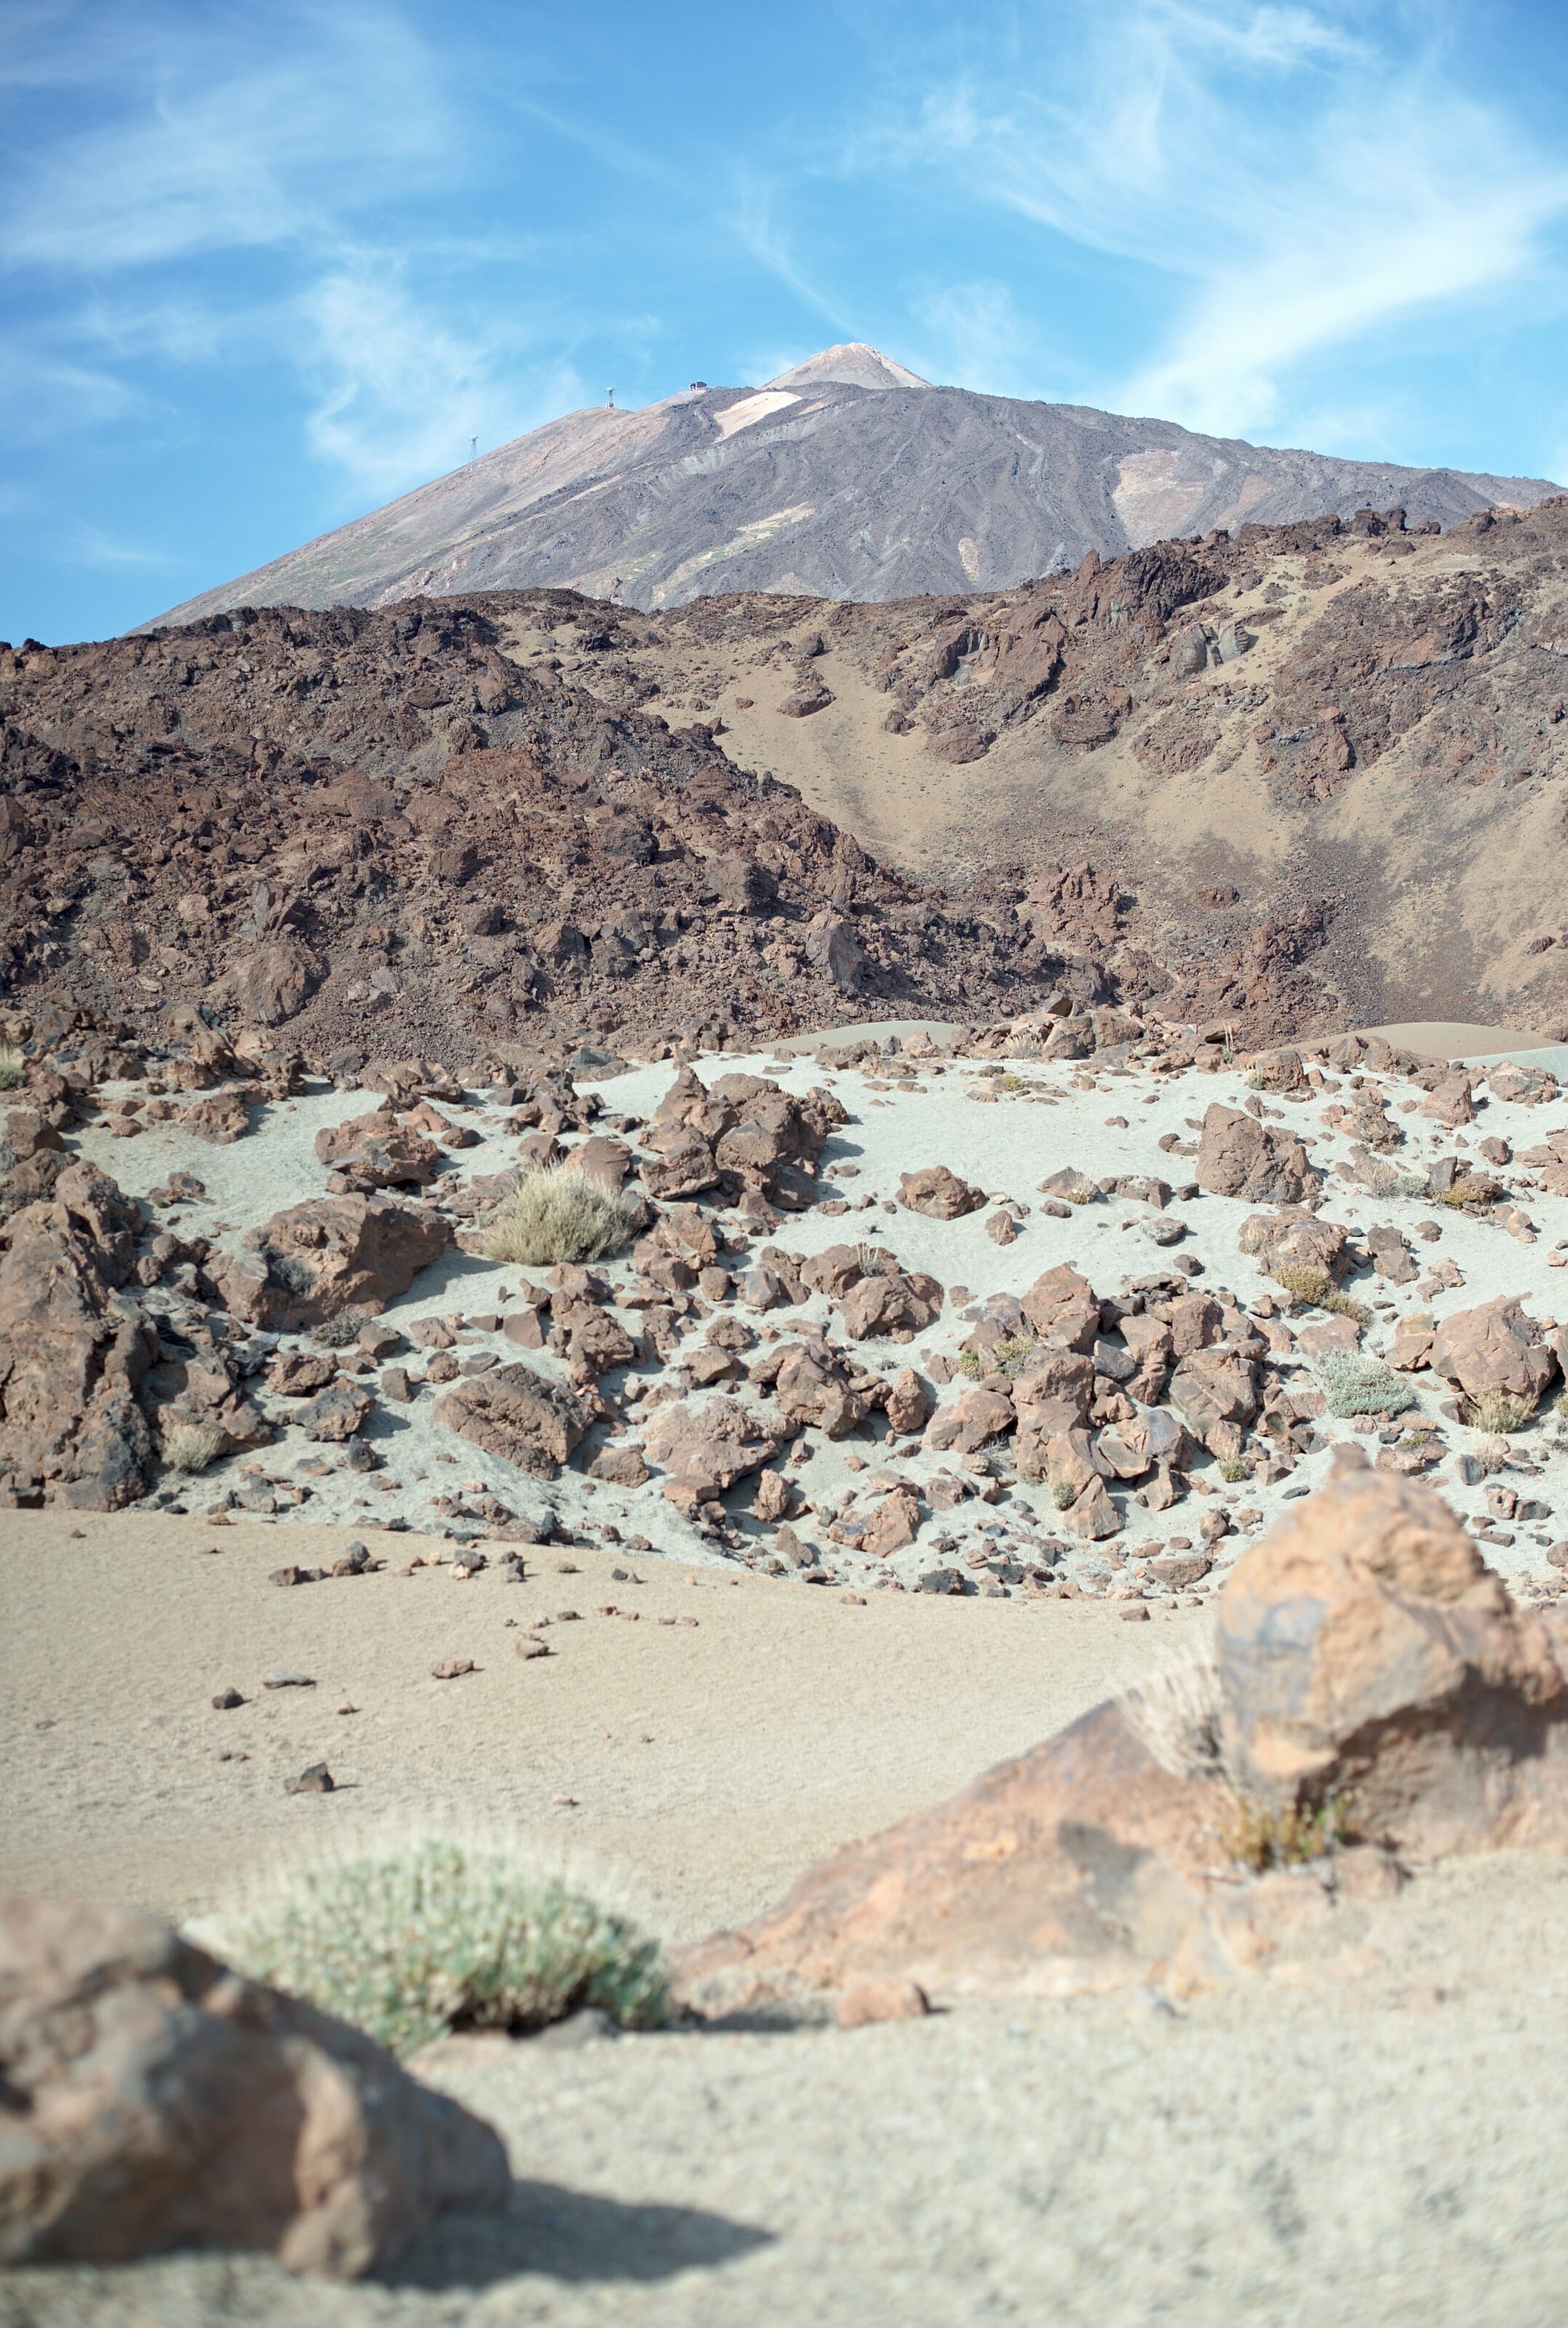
(377, 1151)
(154, 2100)
(1211, 1388)
(331, 1254)
(904, 1300)
(1063, 1308)
(1239, 1156)
(973, 1419)
(938, 1193)
(1493, 1347)
(526, 1418)
(707, 1448)
(1070, 1868)
(1366, 1651)
(72, 1358)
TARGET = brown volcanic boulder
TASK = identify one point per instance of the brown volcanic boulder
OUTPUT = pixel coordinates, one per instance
(1237, 1156)
(972, 1420)
(273, 982)
(524, 1417)
(904, 1300)
(1063, 1308)
(1296, 1241)
(938, 1193)
(705, 1450)
(23, 1134)
(1069, 1868)
(154, 2100)
(1366, 1651)
(1493, 1347)
(1211, 1388)
(377, 1151)
(814, 1385)
(73, 1352)
(331, 1254)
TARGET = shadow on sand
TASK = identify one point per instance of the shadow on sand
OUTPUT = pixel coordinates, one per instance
(571, 2235)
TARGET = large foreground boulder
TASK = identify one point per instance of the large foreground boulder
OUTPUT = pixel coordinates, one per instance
(151, 2098)
(1067, 1869)
(1373, 1676)
(1367, 1652)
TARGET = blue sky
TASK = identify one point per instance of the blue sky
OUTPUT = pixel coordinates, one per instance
(263, 266)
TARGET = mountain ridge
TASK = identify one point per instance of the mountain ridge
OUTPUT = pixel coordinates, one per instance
(845, 476)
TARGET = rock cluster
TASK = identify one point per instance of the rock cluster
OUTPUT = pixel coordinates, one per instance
(379, 828)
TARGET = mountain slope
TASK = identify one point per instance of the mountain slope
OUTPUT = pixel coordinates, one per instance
(845, 477)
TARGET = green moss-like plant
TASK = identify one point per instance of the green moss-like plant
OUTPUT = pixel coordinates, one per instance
(413, 1944)
(555, 1213)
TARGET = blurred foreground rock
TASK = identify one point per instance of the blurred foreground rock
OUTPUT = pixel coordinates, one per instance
(151, 2099)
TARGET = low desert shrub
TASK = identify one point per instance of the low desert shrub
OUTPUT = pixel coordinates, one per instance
(1497, 1413)
(1380, 1179)
(1316, 1286)
(1176, 1713)
(1469, 1192)
(1234, 1468)
(411, 1944)
(1257, 1837)
(1009, 1359)
(555, 1213)
(11, 1067)
(190, 1446)
(1079, 1190)
(1063, 1494)
(1353, 1383)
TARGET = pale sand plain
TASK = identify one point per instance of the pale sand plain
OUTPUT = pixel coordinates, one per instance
(1371, 2130)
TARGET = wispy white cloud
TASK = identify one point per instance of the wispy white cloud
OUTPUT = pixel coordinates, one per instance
(89, 545)
(398, 396)
(976, 338)
(251, 130)
(1297, 177)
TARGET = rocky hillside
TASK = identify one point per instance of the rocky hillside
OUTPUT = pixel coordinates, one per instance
(1320, 765)
(384, 831)
(847, 477)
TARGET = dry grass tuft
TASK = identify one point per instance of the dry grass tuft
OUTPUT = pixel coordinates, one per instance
(1383, 1179)
(1176, 1713)
(1009, 1359)
(1469, 1192)
(12, 1067)
(1257, 1837)
(1497, 1413)
(555, 1213)
(1316, 1286)
(190, 1446)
